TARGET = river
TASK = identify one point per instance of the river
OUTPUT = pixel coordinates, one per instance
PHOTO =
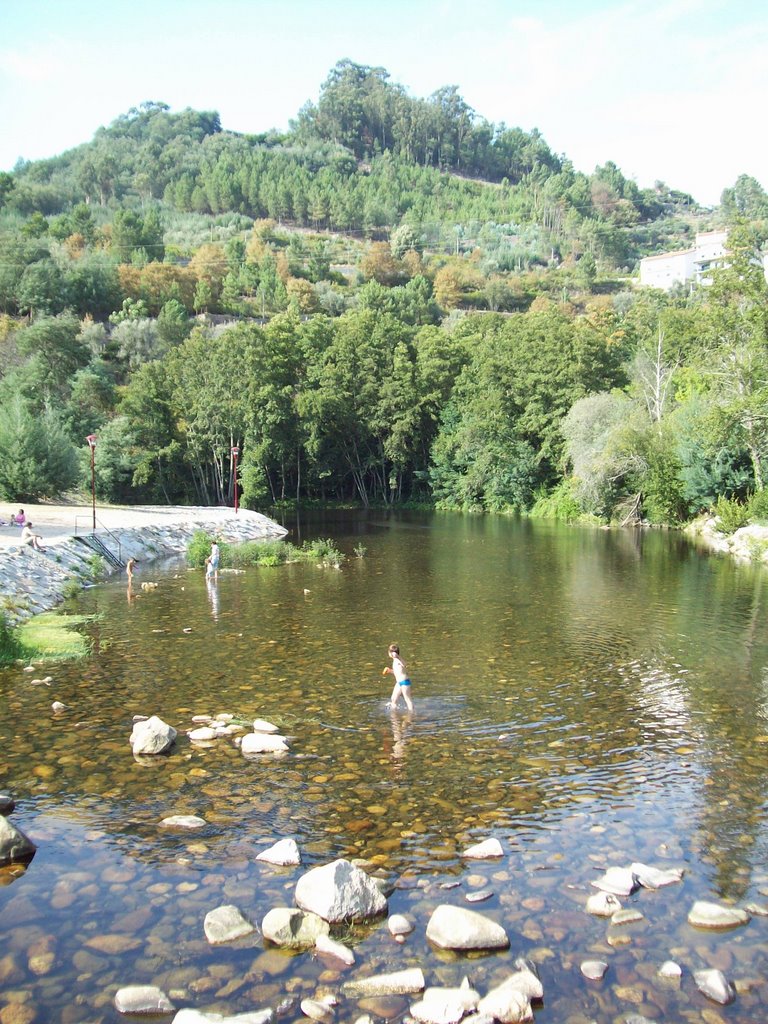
(591, 698)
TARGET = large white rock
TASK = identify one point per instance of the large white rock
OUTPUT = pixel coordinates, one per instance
(507, 1005)
(14, 845)
(142, 999)
(655, 878)
(396, 984)
(263, 743)
(287, 926)
(152, 736)
(482, 851)
(444, 1005)
(225, 924)
(458, 928)
(712, 915)
(715, 986)
(340, 892)
(525, 980)
(619, 881)
(283, 853)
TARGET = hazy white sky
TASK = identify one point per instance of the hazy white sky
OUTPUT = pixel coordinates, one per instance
(667, 89)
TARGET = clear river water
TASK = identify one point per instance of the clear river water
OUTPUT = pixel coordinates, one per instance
(590, 698)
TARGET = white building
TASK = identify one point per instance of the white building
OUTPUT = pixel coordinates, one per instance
(670, 268)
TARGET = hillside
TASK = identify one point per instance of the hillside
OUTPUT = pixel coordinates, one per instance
(394, 301)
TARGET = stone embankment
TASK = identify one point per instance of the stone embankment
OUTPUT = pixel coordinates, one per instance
(35, 581)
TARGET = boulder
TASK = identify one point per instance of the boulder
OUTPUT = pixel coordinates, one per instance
(340, 892)
(14, 845)
(152, 736)
(225, 924)
(7, 804)
(459, 928)
(287, 926)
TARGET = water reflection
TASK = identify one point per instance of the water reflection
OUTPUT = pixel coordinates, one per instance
(591, 698)
(212, 586)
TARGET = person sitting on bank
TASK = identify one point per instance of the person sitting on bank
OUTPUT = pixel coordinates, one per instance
(31, 538)
(19, 519)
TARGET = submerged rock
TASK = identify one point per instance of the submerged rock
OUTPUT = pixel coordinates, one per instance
(594, 970)
(142, 999)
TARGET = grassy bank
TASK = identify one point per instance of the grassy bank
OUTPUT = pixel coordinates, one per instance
(46, 637)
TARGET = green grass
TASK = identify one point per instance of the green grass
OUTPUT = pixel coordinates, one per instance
(51, 636)
(263, 552)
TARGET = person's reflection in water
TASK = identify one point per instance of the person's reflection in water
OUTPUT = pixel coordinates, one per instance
(213, 596)
(401, 723)
(131, 595)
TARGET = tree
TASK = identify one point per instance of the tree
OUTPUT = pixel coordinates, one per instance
(36, 458)
(173, 324)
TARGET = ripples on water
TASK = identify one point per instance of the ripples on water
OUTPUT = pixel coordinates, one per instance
(590, 699)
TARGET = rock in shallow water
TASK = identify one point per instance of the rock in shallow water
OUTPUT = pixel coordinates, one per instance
(142, 999)
(225, 924)
(714, 985)
(712, 915)
(458, 928)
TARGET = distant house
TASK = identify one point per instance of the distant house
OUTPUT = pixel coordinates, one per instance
(670, 268)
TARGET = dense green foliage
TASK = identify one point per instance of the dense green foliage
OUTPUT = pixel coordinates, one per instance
(396, 301)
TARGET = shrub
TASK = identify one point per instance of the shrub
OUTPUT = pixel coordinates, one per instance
(560, 504)
(758, 507)
(10, 648)
(731, 514)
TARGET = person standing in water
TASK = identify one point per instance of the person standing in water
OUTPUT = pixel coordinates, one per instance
(402, 682)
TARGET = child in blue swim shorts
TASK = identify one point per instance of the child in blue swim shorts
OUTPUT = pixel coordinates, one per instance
(402, 682)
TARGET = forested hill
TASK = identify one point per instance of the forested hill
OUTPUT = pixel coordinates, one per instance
(395, 300)
(364, 158)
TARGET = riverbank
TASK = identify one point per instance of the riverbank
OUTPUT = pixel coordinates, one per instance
(35, 581)
(747, 544)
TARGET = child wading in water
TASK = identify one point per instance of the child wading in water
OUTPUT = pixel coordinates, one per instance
(402, 682)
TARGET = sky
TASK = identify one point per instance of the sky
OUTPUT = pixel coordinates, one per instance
(669, 90)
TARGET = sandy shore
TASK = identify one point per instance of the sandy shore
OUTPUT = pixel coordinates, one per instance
(56, 523)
